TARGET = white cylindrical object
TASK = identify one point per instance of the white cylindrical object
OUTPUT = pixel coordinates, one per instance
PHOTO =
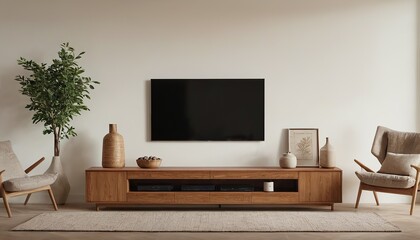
(268, 186)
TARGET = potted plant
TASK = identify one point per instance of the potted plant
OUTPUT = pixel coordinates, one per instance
(57, 93)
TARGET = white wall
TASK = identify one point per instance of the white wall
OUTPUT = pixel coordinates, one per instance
(341, 66)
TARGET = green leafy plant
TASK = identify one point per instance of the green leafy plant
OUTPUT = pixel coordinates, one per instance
(56, 92)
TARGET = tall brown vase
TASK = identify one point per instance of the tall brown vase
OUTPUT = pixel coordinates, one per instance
(113, 153)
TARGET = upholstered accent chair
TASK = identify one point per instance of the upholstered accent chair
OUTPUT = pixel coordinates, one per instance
(399, 155)
(14, 181)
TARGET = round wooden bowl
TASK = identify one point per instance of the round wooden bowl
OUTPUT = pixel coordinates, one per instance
(149, 163)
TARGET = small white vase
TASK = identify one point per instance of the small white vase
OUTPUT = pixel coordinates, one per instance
(61, 186)
(288, 160)
(327, 155)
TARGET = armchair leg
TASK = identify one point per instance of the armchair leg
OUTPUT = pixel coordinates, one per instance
(52, 198)
(6, 203)
(413, 200)
(413, 203)
(376, 198)
(27, 198)
(358, 196)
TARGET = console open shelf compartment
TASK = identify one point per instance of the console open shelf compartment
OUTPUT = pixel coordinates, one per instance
(211, 185)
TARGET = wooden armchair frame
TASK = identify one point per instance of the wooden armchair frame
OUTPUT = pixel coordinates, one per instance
(404, 191)
(5, 195)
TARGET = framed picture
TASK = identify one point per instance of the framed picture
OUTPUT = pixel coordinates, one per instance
(303, 143)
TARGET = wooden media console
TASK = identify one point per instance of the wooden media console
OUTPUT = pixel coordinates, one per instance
(213, 185)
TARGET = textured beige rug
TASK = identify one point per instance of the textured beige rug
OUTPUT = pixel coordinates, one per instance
(208, 221)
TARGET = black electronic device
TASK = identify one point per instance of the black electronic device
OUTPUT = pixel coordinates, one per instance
(207, 109)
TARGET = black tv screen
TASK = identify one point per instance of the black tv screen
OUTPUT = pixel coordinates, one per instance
(207, 109)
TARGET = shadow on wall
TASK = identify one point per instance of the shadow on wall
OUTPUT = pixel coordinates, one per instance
(78, 154)
(148, 101)
(13, 116)
(418, 68)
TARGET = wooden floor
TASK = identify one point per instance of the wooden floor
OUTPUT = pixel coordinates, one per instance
(397, 214)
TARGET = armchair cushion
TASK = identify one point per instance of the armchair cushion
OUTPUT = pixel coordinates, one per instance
(386, 180)
(399, 164)
(28, 183)
(9, 162)
(380, 143)
(403, 142)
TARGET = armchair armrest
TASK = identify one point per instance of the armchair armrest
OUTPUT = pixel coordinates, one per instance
(416, 167)
(417, 176)
(1, 178)
(30, 168)
(363, 166)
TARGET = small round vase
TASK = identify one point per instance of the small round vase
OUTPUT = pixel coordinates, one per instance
(113, 152)
(288, 160)
(327, 155)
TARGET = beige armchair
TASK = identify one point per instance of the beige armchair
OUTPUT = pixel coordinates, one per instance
(14, 181)
(399, 155)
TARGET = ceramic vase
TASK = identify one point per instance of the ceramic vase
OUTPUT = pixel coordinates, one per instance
(113, 152)
(288, 160)
(327, 155)
(61, 186)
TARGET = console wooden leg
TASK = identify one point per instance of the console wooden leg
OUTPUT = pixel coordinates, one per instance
(332, 206)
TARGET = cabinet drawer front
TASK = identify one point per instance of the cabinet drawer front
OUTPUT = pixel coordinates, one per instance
(106, 186)
(254, 175)
(320, 187)
(151, 197)
(274, 197)
(230, 198)
(169, 175)
(192, 197)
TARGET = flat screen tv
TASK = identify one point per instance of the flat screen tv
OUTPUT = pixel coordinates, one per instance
(207, 109)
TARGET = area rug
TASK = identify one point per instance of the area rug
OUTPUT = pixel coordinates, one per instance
(208, 221)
